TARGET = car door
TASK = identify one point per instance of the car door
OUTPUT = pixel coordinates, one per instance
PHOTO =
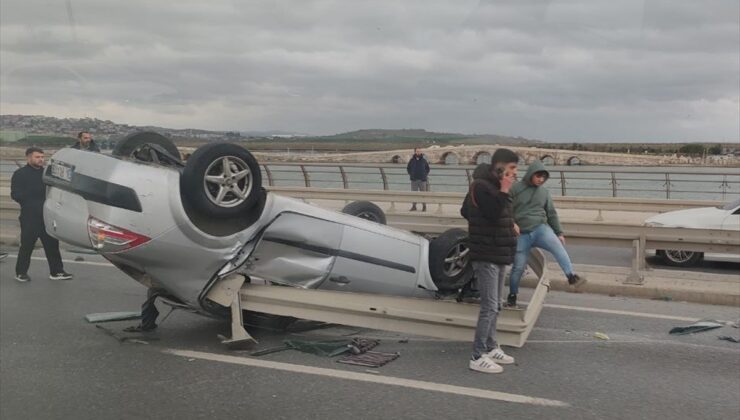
(296, 250)
(371, 262)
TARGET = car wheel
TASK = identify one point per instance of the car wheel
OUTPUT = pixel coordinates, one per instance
(365, 210)
(677, 258)
(132, 146)
(221, 180)
(449, 260)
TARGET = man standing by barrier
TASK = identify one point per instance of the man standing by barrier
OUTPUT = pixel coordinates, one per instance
(535, 215)
(418, 169)
(28, 189)
(488, 209)
(86, 142)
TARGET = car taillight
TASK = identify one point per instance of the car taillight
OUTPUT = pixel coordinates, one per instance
(108, 238)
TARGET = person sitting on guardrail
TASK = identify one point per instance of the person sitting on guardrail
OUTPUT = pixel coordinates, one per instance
(539, 225)
(492, 246)
(418, 169)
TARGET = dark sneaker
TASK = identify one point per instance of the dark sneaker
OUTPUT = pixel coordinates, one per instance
(575, 280)
(22, 278)
(60, 276)
(511, 301)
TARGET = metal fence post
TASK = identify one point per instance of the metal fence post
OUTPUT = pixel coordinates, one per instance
(614, 184)
(667, 186)
(724, 186)
(269, 175)
(306, 178)
(345, 183)
(563, 190)
(636, 275)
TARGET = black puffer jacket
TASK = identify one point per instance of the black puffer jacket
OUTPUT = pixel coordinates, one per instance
(490, 216)
(27, 188)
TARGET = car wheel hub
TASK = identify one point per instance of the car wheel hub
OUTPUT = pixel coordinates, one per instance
(456, 260)
(228, 181)
(679, 256)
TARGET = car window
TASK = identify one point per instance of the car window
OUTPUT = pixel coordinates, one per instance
(731, 205)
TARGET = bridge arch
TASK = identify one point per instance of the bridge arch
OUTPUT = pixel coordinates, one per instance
(450, 158)
(482, 157)
(574, 161)
(548, 160)
(396, 159)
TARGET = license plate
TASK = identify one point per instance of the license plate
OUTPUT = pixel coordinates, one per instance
(62, 170)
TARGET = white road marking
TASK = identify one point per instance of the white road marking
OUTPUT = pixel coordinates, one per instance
(99, 264)
(365, 377)
(617, 312)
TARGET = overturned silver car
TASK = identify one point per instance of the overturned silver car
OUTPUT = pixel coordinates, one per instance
(181, 227)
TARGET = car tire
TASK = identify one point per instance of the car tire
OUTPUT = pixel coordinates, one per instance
(365, 210)
(133, 142)
(680, 258)
(449, 262)
(216, 190)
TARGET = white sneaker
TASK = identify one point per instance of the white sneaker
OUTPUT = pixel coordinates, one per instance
(485, 365)
(497, 355)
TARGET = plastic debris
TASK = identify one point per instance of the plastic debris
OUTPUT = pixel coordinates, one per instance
(112, 316)
(601, 336)
(269, 350)
(331, 348)
(696, 327)
(373, 359)
(728, 338)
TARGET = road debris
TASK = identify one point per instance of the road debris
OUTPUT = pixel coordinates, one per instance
(112, 316)
(122, 338)
(601, 336)
(269, 350)
(331, 348)
(728, 338)
(373, 359)
(696, 327)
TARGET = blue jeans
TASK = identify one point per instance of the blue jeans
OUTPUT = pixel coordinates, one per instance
(541, 237)
(490, 278)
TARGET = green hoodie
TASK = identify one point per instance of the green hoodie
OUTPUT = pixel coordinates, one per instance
(533, 205)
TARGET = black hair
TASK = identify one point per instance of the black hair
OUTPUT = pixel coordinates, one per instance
(33, 149)
(79, 135)
(504, 156)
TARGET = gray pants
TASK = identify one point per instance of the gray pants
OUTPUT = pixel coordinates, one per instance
(419, 186)
(490, 280)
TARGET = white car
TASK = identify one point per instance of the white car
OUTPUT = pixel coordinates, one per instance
(726, 217)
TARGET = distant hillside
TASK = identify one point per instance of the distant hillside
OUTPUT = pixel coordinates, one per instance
(422, 137)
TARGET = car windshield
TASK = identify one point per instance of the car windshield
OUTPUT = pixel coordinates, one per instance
(731, 205)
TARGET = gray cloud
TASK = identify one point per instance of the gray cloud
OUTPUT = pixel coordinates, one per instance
(571, 70)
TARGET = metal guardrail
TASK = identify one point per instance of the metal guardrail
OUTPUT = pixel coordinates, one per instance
(715, 183)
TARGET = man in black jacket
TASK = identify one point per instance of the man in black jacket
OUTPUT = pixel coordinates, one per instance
(27, 188)
(86, 142)
(493, 235)
(418, 170)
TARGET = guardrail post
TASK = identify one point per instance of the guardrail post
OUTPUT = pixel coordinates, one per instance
(724, 186)
(599, 217)
(345, 183)
(563, 190)
(667, 186)
(306, 178)
(636, 275)
(614, 184)
(269, 175)
(384, 177)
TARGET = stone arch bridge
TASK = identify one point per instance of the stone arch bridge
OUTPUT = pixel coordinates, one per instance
(469, 155)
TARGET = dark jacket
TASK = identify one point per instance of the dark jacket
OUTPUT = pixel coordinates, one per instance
(490, 218)
(533, 206)
(92, 147)
(418, 168)
(27, 188)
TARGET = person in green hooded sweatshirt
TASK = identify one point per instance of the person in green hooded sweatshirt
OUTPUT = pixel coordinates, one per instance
(539, 227)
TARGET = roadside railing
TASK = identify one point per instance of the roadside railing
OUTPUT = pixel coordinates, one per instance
(678, 183)
(684, 183)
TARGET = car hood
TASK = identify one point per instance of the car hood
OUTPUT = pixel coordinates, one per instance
(700, 218)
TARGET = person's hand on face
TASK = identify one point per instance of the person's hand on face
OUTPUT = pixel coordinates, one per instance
(507, 181)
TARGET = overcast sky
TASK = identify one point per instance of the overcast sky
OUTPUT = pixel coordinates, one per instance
(560, 70)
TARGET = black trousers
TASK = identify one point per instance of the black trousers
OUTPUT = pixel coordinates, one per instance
(31, 230)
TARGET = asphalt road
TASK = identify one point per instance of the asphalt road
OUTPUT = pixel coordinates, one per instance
(55, 365)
